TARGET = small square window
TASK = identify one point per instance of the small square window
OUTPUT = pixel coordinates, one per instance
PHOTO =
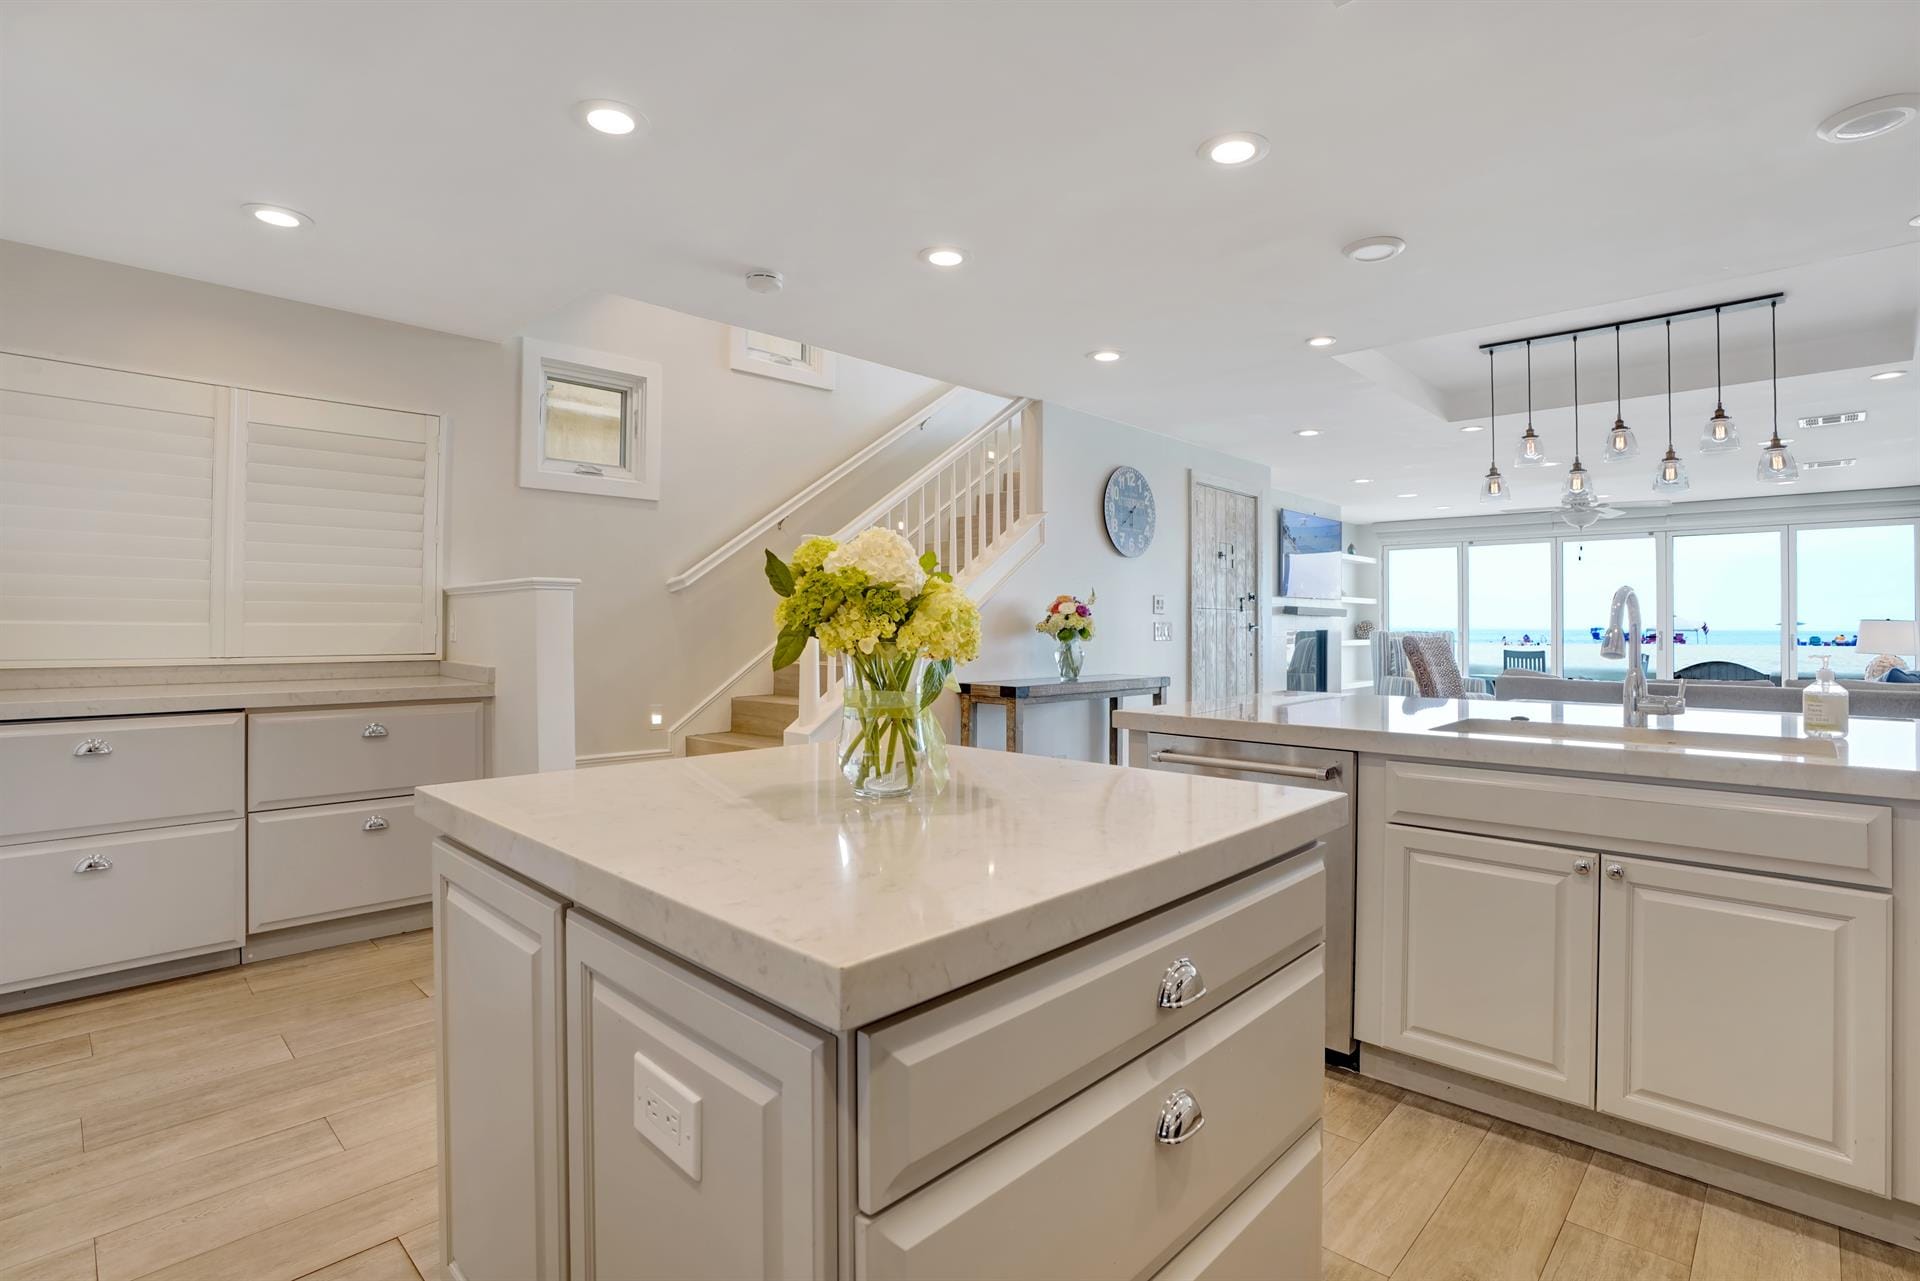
(754, 352)
(589, 422)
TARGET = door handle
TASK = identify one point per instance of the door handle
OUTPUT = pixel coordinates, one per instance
(1319, 773)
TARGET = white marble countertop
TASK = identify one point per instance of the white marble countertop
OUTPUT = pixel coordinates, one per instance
(765, 869)
(81, 692)
(1878, 758)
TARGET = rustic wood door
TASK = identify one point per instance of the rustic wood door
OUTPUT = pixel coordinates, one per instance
(1225, 637)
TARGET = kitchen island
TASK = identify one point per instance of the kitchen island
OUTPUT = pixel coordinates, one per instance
(1688, 943)
(717, 1017)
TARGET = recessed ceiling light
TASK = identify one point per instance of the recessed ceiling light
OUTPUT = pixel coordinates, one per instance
(1231, 150)
(1362, 480)
(1887, 375)
(1106, 355)
(1308, 431)
(605, 116)
(1870, 119)
(1406, 495)
(279, 216)
(1914, 221)
(1473, 427)
(942, 256)
(1375, 249)
(1322, 340)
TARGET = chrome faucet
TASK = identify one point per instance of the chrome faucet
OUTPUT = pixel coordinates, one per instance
(1635, 701)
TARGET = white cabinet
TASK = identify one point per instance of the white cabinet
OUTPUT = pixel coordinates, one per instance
(1749, 1012)
(499, 975)
(1488, 958)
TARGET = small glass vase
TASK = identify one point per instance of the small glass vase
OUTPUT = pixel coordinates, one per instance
(885, 737)
(1069, 658)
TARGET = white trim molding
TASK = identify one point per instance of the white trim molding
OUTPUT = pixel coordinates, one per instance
(639, 383)
(622, 758)
(514, 585)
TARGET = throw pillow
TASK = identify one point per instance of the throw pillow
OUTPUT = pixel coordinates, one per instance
(1901, 676)
(1431, 663)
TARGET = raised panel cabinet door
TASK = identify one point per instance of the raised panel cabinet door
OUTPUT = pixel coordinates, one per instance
(1487, 956)
(1749, 1012)
(703, 1124)
(499, 975)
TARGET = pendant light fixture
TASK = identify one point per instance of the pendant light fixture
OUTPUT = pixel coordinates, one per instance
(1531, 453)
(1620, 441)
(1493, 486)
(1777, 465)
(1577, 505)
(1671, 476)
(1719, 435)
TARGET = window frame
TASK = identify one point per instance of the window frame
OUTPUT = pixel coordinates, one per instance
(817, 370)
(639, 381)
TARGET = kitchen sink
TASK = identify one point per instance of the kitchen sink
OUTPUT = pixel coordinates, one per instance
(1702, 740)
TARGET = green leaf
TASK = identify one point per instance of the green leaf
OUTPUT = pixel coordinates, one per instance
(782, 579)
(787, 650)
(934, 681)
(928, 561)
(940, 574)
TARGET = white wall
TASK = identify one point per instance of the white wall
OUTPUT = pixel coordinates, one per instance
(735, 444)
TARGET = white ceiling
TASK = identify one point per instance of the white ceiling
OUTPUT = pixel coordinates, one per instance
(1541, 160)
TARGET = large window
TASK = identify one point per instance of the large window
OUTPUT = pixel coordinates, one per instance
(1726, 604)
(1423, 589)
(1843, 576)
(1591, 570)
(1510, 603)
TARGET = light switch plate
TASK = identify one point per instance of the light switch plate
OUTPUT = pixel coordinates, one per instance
(1163, 631)
(1159, 604)
(667, 1114)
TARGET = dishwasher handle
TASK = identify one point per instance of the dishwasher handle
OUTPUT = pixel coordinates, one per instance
(1317, 773)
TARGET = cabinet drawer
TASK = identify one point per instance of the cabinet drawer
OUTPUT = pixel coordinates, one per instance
(299, 758)
(1271, 1230)
(934, 1085)
(1830, 840)
(332, 860)
(1089, 1189)
(146, 896)
(66, 778)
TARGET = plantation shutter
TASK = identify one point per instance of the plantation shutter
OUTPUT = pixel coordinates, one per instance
(110, 534)
(338, 549)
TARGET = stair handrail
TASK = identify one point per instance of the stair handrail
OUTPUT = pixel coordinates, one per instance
(757, 531)
(945, 459)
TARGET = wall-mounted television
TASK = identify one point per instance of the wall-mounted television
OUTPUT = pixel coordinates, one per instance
(1309, 556)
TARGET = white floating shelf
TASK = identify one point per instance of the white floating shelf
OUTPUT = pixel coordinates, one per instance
(1358, 600)
(1358, 644)
(1352, 558)
(1351, 686)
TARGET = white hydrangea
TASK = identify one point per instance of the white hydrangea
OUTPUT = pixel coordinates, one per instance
(884, 556)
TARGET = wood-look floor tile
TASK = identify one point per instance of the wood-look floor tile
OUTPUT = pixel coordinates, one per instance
(98, 1085)
(1867, 1259)
(180, 998)
(280, 1012)
(369, 1120)
(423, 1247)
(387, 1261)
(260, 1205)
(1499, 1220)
(72, 1264)
(1383, 1196)
(1742, 1239)
(1582, 1254)
(1640, 1205)
(310, 1038)
(1338, 1267)
(319, 958)
(425, 985)
(29, 1058)
(1335, 1149)
(292, 1249)
(412, 938)
(130, 1201)
(28, 1153)
(411, 962)
(1353, 1105)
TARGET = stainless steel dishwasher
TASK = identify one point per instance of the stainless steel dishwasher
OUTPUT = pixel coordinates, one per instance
(1293, 767)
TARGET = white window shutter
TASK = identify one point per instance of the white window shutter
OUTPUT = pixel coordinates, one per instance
(337, 551)
(111, 543)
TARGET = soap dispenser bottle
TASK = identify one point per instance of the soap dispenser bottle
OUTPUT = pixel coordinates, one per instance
(1823, 705)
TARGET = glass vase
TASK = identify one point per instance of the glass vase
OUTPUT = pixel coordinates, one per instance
(885, 737)
(1068, 658)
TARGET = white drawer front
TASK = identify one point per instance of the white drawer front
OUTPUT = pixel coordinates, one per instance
(67, 778)
(333, 860)
(303, 758)
(1089, 1190)
(935, 1086)
(146, 896)
(1272, 1230)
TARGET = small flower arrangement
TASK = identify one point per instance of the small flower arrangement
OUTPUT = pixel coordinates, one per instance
(1068, 619)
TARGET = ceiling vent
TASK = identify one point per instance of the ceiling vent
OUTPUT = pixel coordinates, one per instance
(1827, 464)
(1836, 420)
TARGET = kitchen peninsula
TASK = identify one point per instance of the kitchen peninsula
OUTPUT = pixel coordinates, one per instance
(717, 1017)
(1600, 931)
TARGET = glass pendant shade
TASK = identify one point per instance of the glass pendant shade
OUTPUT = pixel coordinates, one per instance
(1578, 484)
(1719, 435)
(1777, 465)
(1530, 452)
(1671, 475)
(1494, 487)
(1620, 441)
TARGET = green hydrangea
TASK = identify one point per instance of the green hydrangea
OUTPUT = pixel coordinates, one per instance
(945, 625)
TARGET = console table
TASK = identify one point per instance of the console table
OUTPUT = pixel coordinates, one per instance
(1014, 695)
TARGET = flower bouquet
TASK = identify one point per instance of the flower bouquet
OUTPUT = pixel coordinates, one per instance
(899, 626)
(1069, 620)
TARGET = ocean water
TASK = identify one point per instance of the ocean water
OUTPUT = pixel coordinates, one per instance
(1758, 649)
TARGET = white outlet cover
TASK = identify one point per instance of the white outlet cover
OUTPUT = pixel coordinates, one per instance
(1159, 604)
(667, 1114)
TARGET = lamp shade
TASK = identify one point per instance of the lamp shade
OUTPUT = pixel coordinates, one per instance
(1896, 636)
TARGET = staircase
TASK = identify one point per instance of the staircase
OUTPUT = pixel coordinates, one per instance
(759, 720)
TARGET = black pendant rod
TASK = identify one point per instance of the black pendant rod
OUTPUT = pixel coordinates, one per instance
(1669, 386)
(1492, 431)
(1576, 398)
(1529, 382)
(1773, 324)
(1737, 304)
(1617, 416)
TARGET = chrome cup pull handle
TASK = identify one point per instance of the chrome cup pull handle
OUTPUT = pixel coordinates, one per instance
(374, 823)
(93, 747)
(1180, 1119)
(93, 863)
(374, 729)
(1181, 985)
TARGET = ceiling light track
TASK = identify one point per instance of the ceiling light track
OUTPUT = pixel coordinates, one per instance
(1736, 304)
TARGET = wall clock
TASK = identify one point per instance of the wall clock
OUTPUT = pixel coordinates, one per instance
(1129, 509)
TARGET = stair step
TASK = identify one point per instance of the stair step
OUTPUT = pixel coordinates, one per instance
(732, 741)
(787, 680)
(765, 713)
